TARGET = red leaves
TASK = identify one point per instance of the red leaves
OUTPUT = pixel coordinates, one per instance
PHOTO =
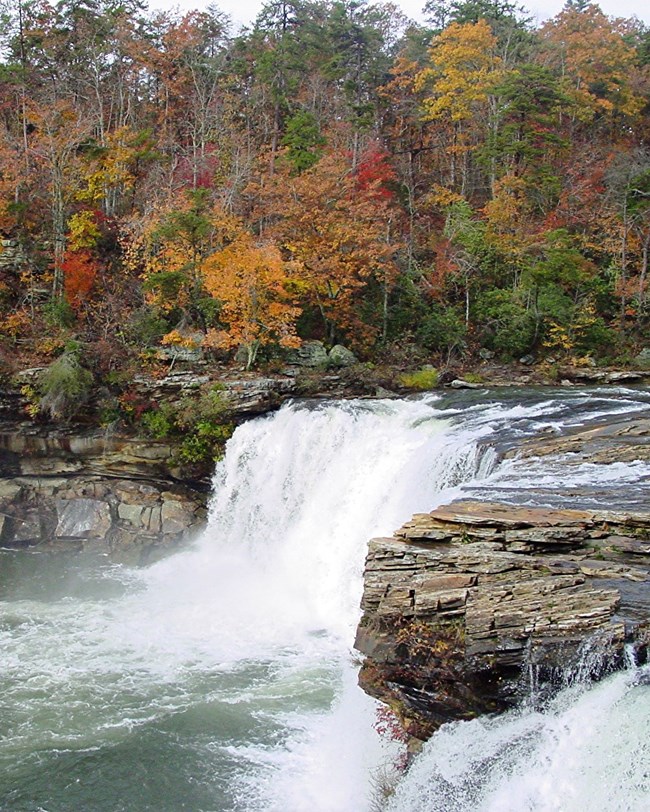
(79, 275)
(375, 175)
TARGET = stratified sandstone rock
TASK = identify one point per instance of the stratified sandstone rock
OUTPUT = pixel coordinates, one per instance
(130, 521)
(467, 605)
(63, 489)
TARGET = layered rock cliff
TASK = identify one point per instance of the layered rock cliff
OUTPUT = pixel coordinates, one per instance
(75, 489)
(469, 608)
(476, 605)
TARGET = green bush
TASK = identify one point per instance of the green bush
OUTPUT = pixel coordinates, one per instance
(201, 421)
(441, 329)
(159, 423)
(421, 379)
(64, 386)
(146, 327)
(206, 442)
(508, 327)
(58, 313)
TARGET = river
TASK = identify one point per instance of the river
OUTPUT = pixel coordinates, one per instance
(223, 677)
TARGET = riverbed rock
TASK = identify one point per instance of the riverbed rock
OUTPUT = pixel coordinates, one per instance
(470, 607)
(459, 383)
(625, 438)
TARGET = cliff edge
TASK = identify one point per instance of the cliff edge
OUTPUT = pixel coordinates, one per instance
(471, 607)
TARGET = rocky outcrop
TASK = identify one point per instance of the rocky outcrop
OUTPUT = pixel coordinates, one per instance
(619, 440)
(468, 608)
(130, 522)
(66, 489)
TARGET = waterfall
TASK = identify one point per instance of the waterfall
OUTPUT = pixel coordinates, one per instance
(295, 501)
(223, 677)
(589, 750)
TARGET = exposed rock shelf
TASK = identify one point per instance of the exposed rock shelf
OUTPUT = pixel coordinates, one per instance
(467, 606)
(85, 490)
(619, 440)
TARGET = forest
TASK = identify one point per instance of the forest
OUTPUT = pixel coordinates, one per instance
(475, 185)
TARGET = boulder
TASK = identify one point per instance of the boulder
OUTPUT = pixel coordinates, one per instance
(309, 354)
(459, 383)
(340, 356)
(642, 360)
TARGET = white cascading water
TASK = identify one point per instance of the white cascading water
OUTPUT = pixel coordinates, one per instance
(589, 750)
(295, 501)
(223, 677)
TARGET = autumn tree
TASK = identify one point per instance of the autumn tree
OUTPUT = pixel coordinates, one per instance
(58, 130)
(463, 70)
(253, 286)
(596, 63)
(340, 234)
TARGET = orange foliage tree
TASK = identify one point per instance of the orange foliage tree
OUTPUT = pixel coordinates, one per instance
(79, 275)
(254, 286)
(596, 63)
(337, 226)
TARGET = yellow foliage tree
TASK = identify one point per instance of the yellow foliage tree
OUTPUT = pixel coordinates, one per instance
(252, 283)
(463, 68)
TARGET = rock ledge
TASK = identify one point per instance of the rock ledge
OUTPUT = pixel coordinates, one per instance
(468, 607)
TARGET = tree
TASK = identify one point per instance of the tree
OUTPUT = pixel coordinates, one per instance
(526, 143)
(253, 286)
(79, 275)
(340, 235)
(463, 70)
(58, 130)
(596, 63)
(628, 192)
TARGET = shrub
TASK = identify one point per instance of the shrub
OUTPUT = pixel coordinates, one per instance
(64, 386)
(58, 313)
(146, 327)
(441, 329)
(508, 328)
(200, 420)
(206, 442)
(159, 423)
(421, 379)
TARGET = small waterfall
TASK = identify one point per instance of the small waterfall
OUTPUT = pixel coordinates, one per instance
(588, 750)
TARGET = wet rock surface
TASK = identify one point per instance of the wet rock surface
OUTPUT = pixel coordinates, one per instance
(625, 439)
(467, 608)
